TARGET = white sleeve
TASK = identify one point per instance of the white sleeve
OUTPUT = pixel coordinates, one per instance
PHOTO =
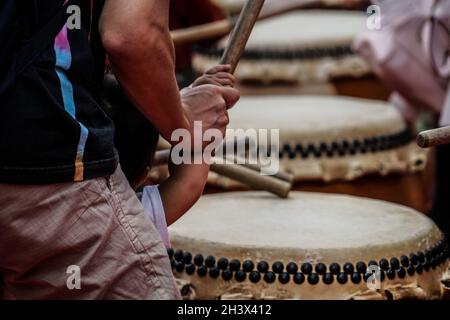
(151, 200)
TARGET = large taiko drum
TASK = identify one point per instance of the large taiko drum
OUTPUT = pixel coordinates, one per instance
(339, 145)
(301, 50)
(250, 245)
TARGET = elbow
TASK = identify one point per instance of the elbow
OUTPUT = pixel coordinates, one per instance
(131, 40)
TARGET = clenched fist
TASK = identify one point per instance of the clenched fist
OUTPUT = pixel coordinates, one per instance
(209, 104)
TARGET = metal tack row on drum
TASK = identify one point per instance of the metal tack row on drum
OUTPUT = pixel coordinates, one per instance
(312, 246)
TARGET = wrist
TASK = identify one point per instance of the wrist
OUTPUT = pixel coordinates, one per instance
(192, 176)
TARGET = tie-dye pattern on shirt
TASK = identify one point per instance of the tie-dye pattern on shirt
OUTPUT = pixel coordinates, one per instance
(63, 63)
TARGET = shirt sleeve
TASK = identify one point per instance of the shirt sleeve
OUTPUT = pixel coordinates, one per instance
(151, 200)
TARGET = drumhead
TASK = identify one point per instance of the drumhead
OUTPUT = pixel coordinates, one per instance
(305, 225)
(311, 246)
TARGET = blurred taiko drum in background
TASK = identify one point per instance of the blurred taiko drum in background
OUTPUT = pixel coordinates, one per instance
(337, 145)
(310, 246)
(300, 50)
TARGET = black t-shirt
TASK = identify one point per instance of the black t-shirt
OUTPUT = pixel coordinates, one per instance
(52, 128)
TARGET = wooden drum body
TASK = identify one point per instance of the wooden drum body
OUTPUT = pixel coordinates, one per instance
(249, 245)
(339, 145)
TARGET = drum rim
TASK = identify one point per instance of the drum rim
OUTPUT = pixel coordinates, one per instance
(388, 268)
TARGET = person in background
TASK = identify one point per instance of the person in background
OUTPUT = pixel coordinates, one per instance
(184, 14)
(411, 54)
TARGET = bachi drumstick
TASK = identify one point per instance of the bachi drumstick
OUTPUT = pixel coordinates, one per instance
(433, 138)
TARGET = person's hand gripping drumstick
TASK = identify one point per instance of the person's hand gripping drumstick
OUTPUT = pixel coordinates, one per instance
(219, 75)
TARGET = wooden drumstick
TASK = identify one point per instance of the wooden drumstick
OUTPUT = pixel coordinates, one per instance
(248, 176)
(433, 138)
(241, 33)
(223, 27)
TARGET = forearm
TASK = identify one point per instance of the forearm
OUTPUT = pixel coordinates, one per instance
(182, 190)
(142, 55)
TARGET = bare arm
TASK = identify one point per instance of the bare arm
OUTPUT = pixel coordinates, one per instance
(182, 190)
(136, 36)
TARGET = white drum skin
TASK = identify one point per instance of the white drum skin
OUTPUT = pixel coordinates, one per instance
(338, 145)
(310, 229)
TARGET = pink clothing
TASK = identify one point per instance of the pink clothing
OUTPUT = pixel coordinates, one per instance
(410, 52)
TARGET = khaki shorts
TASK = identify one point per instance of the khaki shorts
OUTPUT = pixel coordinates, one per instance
(89, 240)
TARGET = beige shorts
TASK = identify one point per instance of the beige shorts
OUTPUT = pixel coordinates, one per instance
(89, 240)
